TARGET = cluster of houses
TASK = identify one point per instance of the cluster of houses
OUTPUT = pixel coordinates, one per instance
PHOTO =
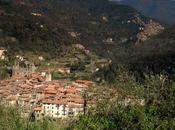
(55, 99)
(16, 86)
(62, 100)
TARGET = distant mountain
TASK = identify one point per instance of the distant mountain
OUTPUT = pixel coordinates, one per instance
(162, 10)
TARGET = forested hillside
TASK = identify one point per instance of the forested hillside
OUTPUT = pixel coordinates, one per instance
(155, 55)
(51, 26)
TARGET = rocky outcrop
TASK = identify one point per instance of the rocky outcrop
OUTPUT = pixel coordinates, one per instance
(150, 29)
(82, 48)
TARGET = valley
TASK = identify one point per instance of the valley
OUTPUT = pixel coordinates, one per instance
(84, 65)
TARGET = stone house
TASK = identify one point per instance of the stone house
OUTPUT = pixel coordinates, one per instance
(25, 70)
(64, 70)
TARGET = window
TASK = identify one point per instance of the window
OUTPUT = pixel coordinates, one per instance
(71, 113)
(64, 114)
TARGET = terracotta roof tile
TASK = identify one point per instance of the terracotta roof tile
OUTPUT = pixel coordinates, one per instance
(38, 109)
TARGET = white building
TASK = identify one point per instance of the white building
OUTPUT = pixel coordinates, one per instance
(2, 53)
(55, 109)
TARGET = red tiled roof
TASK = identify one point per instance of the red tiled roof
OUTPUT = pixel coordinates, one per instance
(61, 89)
(70, 100)
(84, 81)
(64, 96)
(60, 102)
(79, 101)
(40, 90)
(50, 87)
(50, 92)
(70, 105)
(76, 100)
(75, 96)
(38, 109)
(71, 90)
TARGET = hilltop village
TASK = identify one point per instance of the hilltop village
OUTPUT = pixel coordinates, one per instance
(43, 97)
(39, 95)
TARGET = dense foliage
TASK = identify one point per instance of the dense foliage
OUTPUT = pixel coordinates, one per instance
(3, 69)
(11, 119)
(157, 113)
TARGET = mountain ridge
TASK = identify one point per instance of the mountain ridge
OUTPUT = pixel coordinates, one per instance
(162, 10)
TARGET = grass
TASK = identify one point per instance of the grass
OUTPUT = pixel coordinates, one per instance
(11, 119)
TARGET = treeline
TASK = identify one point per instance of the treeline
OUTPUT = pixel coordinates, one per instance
(3, 70)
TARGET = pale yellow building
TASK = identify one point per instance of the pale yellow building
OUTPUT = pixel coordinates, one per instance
(2, 53)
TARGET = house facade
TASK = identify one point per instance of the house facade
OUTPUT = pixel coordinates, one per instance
(2, 53)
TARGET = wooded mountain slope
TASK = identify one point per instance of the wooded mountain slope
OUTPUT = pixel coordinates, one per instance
(100, 25)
